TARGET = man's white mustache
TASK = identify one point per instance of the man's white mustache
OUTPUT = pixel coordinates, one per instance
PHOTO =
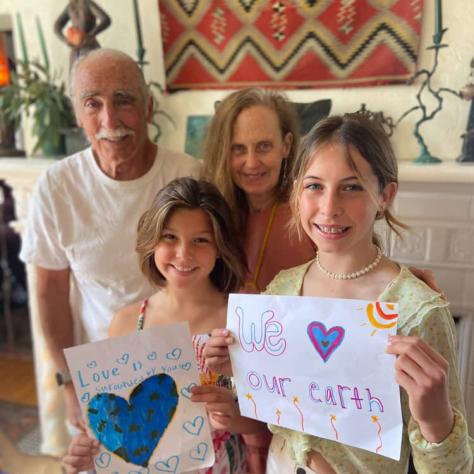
(115, 134)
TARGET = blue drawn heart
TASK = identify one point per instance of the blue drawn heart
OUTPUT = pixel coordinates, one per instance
(85, 397)
(103, 460)
(133, 429)
(152, 356)
(199, 452)
(194, 427)
(186, 391)
(186, 366)
(169, 465)
(92, 364)
(123, 359)
(175, 354)
(325, 341)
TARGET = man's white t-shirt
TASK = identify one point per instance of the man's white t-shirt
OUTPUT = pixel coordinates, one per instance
(81, 219)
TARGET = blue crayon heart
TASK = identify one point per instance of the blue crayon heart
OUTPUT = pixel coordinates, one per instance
(194, 427)
(168, 465)
(175, 354)
(186, 391)
(133, 429)
(85, 397)
(103, 460)
(199, 452)
(123, 359)
(152, 356)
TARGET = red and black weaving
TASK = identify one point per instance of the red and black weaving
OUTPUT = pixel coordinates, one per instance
(211, 44)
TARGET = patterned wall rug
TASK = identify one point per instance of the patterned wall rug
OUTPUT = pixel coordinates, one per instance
(284, 43)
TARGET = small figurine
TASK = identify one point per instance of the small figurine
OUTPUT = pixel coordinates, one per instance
(385, 122)
(86, 20)
(467, 93)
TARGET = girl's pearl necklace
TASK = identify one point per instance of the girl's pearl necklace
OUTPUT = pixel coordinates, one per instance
(350, 276)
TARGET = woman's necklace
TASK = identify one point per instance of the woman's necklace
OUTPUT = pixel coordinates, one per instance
(252, 283)
(350, 276)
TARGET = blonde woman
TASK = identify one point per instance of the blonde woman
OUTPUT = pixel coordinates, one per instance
(249, 154)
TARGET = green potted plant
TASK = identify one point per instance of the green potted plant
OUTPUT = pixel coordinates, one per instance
(35, 91)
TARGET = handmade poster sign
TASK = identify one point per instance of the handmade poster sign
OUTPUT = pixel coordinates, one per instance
(135, 397)
(318, 365)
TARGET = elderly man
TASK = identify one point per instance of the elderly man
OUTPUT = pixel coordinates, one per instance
(81, 228)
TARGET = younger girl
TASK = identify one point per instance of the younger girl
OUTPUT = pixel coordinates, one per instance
(188, 248)
(346, 181)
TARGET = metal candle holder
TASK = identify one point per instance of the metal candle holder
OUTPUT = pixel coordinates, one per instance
(425, 156)
(140, 49)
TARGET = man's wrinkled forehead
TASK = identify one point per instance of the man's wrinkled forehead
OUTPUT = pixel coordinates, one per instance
(93, 78)
(128, 94)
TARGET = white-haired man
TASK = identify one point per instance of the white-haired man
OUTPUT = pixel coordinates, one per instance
(81, 228)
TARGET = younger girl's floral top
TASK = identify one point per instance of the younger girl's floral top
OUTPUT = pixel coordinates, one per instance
(229, 448)
(423, 313)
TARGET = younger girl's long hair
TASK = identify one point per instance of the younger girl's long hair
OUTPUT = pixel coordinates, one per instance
(189, 193)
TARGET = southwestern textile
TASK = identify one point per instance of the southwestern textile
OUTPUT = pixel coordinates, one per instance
(215, 44)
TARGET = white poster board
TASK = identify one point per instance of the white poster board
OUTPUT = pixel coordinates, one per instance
(318, 365)
(134, 393)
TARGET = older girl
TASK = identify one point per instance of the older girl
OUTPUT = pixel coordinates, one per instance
(347, 180)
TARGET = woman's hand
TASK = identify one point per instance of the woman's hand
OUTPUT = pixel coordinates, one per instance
(428, 277)
(80, 455)
(423, 373)
(216, 352)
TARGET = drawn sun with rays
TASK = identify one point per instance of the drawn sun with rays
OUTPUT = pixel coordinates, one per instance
(381, 316)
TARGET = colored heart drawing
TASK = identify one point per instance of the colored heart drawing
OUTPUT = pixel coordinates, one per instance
(103, 460)
(194, 427)
(170, 465)
(325, 341)
(186, 391)
(175, 354)
(123, 359)
(199, 452)
(133, 429)
(85, 397)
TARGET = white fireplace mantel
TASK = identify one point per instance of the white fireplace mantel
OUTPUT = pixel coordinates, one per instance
(437, 201)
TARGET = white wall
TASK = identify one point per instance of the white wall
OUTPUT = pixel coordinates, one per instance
(442, 134)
